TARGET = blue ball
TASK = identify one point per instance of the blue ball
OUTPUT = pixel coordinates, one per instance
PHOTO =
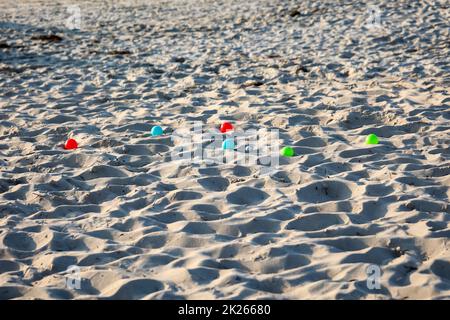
(228, 144)
(157, 131)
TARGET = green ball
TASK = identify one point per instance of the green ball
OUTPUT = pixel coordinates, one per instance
(372, 139)
(287, 152)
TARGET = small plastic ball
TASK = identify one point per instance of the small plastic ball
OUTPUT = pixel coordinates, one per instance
(157, 131)
(228, 144)
(225, 127)
(71, 144)
(372, 139)
(287, 152)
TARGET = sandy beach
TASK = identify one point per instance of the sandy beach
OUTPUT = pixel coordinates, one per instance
(120, 218)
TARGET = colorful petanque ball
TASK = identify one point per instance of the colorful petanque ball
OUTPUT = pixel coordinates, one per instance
(71, 144)
(226, 126)
(157, 131)
(372, 139)
(228, 144)
(287, 152)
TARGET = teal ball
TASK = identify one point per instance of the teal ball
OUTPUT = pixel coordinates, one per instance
(228, 144)
(157, 131)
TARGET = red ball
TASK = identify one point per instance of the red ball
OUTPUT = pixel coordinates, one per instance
(71, 144)
(226, 126)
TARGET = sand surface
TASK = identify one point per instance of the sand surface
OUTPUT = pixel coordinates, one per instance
(138, 225)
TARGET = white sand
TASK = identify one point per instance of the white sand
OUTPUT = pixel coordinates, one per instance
(138, 225)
